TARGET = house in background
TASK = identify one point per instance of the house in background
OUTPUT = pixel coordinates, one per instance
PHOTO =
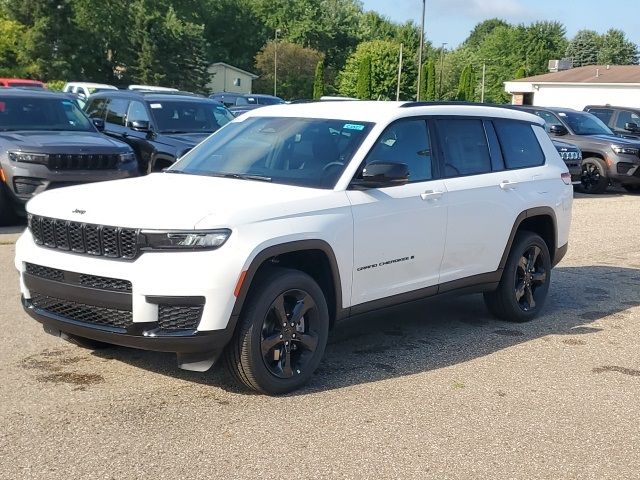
(227, 78)
(579, 87)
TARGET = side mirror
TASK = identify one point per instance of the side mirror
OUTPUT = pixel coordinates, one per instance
(631, 127)
(140, 125)
(558, 130)
(382, 174)
(98, 123)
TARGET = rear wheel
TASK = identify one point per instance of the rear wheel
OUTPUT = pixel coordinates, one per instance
(282, 333)
(525, 280)
(594, 176)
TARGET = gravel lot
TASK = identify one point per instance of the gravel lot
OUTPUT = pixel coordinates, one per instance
(433, 390)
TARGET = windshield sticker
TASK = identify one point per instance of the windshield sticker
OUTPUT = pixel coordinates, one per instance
(562, 114)
(353, 126)
(156, 105)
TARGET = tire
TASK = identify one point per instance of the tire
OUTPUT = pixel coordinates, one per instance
(7, 213)
(632, 188)
(264, 354)
(521, 293)
(87, 343)
(594, 177)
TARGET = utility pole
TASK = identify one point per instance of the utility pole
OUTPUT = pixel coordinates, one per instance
(444, 44)
(275, 64)
(484, 69)
(420, 51)
(400, 74)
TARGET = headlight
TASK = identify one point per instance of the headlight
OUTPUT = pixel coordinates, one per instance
(625, 150)
(41, 158)
(127, 157)
(196, 240)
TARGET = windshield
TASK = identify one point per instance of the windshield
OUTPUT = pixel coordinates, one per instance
(175, 116)
(583, 123)
(293, 151)
(24, 113)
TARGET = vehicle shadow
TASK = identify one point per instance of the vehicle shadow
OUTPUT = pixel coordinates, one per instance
(440, 332)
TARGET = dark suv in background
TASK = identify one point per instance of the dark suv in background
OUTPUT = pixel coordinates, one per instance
(607, 158)
(239, 103)
(622, 120)
(45, 142)
(159, 126)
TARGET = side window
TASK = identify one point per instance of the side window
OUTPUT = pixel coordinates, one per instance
(520, 147)
(625, 117)
(95, 108)
(465, 148)
(406, 141)
(117, 111)
(603, 114)
(137, 112)
(549, 119)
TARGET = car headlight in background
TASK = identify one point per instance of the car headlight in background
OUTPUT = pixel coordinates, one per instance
(190, 240)
(40, 158)
(625, 150)
(127, 157)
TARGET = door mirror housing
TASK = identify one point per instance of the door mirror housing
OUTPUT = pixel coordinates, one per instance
(140, 125)
(558, 130)
(382, 174)
(631, 127)
(98, 123)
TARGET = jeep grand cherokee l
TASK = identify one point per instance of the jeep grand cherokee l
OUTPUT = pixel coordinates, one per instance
(47, 142)
(159, 126)
(292, 218)
(607, 158)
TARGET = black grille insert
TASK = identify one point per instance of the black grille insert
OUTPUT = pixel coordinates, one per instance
(86, 280)
(81, 312)
(61, 161)
(105, 283)
(45, 272)
(179, 317)
(96, 240)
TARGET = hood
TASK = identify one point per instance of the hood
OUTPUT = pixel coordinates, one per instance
(563, 145)
(173, 201)
(616, 140)
(61, 142)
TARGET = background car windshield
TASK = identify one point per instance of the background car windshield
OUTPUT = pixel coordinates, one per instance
(23, 113)
(189, 117)
(293, 151)
(585, 124)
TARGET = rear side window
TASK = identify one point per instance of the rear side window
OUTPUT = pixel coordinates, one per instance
(117, 111)
(95, 108)
(464, 146)
(625, 117)
(603, 114)
(520, 147)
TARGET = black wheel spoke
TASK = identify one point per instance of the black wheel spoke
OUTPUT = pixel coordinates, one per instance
(287, 369)
(539, 277)
(532, 257)
(529, 295)
(522, 264)
(279, 309)
(520, 291)
(301, 307)
(308, 341)
(269, 343)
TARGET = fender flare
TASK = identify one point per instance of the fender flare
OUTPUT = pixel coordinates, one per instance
(531, 212)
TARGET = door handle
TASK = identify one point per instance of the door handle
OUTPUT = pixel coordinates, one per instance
(508, 185)
(431, 195)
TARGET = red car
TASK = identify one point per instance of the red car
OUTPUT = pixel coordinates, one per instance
(21, 82)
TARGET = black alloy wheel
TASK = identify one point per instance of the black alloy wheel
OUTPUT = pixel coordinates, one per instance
(530, 276)
(289, 339)
(594, 176)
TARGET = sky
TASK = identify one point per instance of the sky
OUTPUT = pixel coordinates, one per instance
(451, 21)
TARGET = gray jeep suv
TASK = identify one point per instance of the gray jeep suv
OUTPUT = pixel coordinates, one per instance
(45, 142)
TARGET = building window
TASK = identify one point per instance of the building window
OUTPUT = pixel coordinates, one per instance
(237, 82)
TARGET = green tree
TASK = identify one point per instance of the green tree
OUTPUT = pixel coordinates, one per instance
(424, 77)
(543, 41)
(584, 47)
(616, 49)
(318, 82)
(467, 84)
(364, 79)
(481, 30)
(11, 35)
(296, 69)
(520, 73)
(431, 81)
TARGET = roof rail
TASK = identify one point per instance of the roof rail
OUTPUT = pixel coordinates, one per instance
(449, 102)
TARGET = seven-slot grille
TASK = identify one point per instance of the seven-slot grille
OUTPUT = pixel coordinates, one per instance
(97, 240)
(83, 161)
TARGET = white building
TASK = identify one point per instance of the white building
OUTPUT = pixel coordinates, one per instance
(578, 87)
(227, 78)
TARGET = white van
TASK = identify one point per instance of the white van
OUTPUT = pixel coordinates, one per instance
(84, 89)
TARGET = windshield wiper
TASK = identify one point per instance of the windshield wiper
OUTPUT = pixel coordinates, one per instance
(178, 171)
(240, 176)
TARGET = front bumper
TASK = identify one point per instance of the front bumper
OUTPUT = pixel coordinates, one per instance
(625, 173)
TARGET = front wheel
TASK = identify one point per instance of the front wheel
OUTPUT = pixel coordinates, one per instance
(594, 176)
(525, 280)
(282, 333)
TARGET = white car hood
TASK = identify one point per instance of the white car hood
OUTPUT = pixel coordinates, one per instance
(174, 201)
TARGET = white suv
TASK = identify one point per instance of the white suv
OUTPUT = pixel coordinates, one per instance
(294, 217)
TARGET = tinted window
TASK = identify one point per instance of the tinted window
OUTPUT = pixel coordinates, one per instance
(407, 142)
(625, 117)
(549, 119)
(583, 123)
(95, 108)
(520, 147)
(117, 111)
(23, 113)
(269, 100)
(175, 116)
(603, 114)
(137, 112)
(294, 151)
(464, 145)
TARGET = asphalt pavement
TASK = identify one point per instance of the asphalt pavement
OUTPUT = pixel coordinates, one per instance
(436, 389)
